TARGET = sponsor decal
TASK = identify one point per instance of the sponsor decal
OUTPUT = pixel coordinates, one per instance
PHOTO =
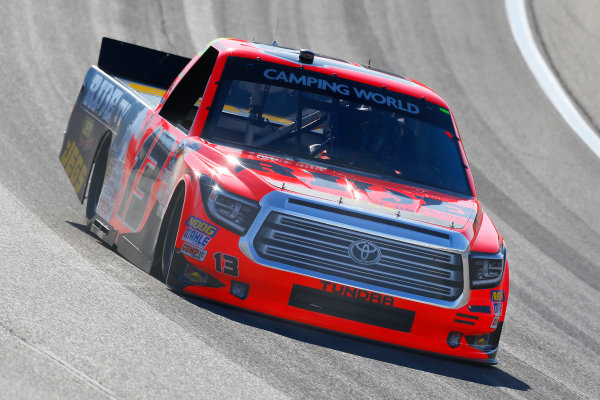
(497, 308)
(201, 226)
(254, 158)
(482, 340)
(193, 251)
(198, 232)
(194, 276)
(106, 100)
(88, 126)
(72, 161)
(356, 293)
(87, 140)
(494, 324)
(364, 252)
(497, 295)
(196, 238)
(340, 88)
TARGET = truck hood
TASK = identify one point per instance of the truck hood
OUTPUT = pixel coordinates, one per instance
(355, 189)
(363, 191)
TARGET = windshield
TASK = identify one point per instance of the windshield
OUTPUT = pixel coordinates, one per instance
(337, 125)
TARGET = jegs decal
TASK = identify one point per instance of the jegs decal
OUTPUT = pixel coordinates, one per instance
(74, 166)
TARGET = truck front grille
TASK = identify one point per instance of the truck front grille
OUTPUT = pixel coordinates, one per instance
(330, 252)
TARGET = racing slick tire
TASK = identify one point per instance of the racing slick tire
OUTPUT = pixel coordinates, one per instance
(96, 181)
(172, 220)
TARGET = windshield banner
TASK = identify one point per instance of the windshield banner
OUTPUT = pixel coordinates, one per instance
(245, 69)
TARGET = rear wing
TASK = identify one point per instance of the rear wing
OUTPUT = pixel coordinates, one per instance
(140, 64)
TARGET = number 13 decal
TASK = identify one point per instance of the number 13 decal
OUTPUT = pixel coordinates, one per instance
(226, 264)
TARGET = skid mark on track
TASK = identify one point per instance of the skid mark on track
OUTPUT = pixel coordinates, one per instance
(62, 363)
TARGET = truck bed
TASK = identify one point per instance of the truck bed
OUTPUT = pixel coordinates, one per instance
(148, 93)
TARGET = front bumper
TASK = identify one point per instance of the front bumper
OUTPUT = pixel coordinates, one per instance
(359, 313)
(467, 327)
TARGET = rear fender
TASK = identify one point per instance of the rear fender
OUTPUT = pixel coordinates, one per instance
(79, 148)
(103, 105)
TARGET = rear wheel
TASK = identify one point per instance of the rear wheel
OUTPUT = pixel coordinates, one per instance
(172, 220)
(96, 181)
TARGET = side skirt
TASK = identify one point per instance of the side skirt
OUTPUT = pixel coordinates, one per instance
(128, 250)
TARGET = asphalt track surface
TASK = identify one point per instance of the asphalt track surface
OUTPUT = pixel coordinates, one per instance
(78, 321)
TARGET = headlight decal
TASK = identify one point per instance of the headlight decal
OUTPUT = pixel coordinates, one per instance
(233, 212)
(486, 269)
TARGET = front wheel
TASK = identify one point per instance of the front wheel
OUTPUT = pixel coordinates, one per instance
(172, 219)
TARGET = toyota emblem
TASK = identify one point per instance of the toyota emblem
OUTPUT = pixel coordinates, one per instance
(364, 252)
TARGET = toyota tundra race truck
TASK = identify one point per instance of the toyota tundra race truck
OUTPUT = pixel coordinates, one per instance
(291, 184)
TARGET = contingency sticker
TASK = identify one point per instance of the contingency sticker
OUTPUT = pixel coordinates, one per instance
(86, 140)
(497, 308)
(199, 233)
(482, 341)
(497, 295)
(193, 251)
(494, 324)
(194, 276)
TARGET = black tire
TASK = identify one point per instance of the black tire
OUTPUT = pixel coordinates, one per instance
(96, 181)
(172, 220)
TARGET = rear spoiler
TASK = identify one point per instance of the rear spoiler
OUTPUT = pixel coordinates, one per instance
(140, 64)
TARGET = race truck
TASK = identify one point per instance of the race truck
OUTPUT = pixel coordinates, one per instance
(291, 184)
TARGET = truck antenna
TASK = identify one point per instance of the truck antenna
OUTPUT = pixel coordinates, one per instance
(276, 28)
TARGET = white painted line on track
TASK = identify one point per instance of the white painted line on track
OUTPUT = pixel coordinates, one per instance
(519, 25)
